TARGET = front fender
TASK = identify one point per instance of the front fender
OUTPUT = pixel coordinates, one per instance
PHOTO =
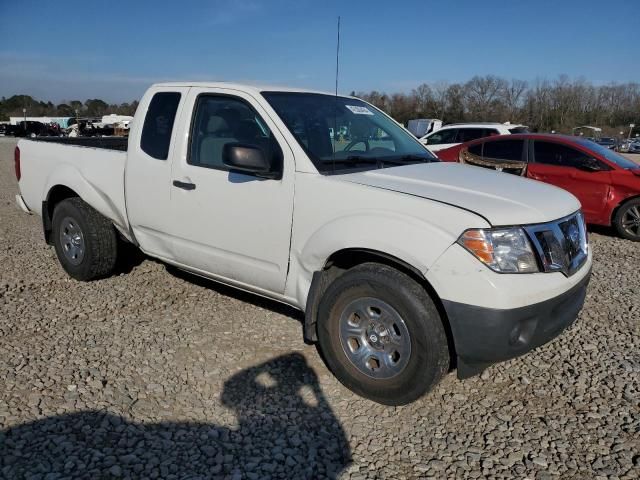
(411, 240)
(407, 238)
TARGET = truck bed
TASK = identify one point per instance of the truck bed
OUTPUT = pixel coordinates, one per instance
(108, 143)
(93, 168)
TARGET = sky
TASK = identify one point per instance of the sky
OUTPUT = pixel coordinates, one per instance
(68, 49)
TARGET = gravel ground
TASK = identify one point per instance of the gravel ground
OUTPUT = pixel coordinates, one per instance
(154, 374)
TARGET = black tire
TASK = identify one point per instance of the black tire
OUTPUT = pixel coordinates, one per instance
(99, 240)
(628, 211)
(428, 360)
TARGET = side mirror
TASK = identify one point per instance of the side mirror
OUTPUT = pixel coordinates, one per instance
(247, 159)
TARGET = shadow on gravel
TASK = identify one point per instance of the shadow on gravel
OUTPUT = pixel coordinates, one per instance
(247, 297)
(129, 257)
(602, 230)
(286, 430)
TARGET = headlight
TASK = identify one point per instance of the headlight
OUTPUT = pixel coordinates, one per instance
(505, 250)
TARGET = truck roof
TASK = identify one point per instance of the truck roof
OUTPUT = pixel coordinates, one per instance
(246, 87)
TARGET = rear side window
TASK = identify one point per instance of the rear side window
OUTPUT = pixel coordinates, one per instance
(475, 149)
(504, 150)
(551, 153)
(443, 136)
(468, 134)
(158, 124)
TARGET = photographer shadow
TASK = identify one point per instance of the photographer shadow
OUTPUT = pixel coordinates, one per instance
(286, 429)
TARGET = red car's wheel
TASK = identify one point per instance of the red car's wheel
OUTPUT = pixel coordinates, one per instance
(627, 220)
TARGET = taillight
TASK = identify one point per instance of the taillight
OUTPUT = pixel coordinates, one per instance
(16, 161)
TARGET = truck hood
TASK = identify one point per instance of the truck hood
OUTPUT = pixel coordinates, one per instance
(501, 198)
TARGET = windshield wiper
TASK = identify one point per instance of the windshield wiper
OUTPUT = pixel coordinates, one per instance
(416, 158)
(361, 158)
(381, 161)
(358, 158)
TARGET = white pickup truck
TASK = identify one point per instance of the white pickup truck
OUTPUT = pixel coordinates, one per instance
(404, 266)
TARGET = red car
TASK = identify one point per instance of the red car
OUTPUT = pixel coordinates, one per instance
(606, 183)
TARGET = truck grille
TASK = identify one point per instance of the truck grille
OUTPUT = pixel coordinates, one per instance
(561, 245)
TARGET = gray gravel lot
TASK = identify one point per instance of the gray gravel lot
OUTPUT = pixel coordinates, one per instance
(154, 374)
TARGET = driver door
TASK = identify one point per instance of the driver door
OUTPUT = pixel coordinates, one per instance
(566, 167)
(229, 225)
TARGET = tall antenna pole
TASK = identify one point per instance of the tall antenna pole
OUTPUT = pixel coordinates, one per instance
(335, 106)
(338, 57)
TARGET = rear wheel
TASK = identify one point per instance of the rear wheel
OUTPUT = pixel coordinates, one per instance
(381, 335)
(627, 220)
(85, 241)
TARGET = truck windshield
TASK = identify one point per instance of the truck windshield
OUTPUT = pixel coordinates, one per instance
(341, 134)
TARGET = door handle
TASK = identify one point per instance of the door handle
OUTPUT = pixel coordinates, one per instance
(184, 185)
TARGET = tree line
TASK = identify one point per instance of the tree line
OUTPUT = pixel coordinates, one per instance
(544, 105)
(12, 107)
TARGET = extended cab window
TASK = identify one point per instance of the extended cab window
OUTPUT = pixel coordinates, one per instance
(158, 124)
(503, 150)
(443, 136)
(221, 120)
(551, 153)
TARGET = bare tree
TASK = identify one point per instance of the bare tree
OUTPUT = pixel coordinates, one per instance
(423, 96)
(513, 95)
(483, 97)
(544, 105)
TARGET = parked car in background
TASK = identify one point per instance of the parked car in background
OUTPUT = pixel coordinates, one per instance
(606, 183)
(623, 146)
(423, 126)
(6, 129)
(457, 133)
(31, 129)
(634, 146)
(607, 142)
(87, 128)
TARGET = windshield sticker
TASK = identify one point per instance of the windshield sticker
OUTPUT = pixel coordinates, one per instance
(358, 110)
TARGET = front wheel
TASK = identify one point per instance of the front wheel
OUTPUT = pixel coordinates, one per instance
(85, 241)
(627, 220)
(381, 335)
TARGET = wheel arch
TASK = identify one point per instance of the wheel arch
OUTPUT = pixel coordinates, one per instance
(344, 259)
(96, 191)
(56, 194)
(615, 210)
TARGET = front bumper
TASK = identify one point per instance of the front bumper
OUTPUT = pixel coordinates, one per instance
(483, 335)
